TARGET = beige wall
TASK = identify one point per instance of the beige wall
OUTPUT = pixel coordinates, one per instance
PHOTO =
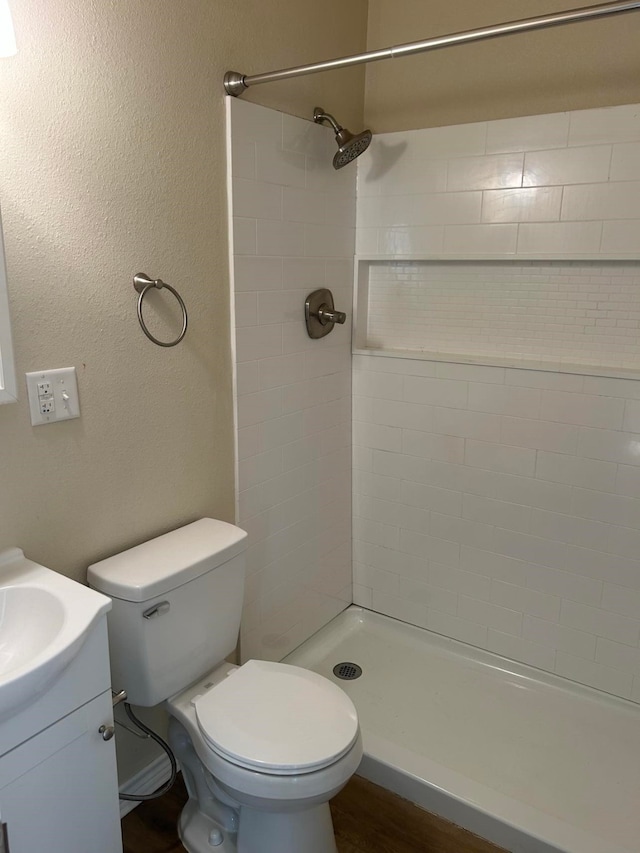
(112, 134)
(112, 139)
(112, 131)
(566, 68)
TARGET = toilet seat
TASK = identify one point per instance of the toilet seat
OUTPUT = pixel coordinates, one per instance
(277, 719)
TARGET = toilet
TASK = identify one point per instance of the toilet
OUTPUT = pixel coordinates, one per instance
(262, 747)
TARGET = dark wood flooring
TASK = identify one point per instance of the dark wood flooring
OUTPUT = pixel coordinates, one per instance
(367, 819)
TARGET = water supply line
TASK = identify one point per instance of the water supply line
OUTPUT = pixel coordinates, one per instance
(236, 83)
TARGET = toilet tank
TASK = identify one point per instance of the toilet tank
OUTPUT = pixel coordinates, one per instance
(177, 603)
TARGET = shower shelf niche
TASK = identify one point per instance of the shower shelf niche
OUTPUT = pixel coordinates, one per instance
(570, 316)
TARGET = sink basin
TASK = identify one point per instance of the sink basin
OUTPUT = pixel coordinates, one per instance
(30, 620)
(44, 620)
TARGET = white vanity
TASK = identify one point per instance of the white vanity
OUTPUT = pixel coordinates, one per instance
(58, 782)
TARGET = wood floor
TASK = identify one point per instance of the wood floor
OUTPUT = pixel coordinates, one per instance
(367, 819)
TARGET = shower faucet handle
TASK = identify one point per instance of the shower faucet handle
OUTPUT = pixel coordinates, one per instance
(320, 314)
(329, 315)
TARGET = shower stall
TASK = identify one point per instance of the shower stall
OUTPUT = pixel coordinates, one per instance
(445, 490)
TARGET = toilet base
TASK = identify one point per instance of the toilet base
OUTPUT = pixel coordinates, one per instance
(197, 831)
(310, 830)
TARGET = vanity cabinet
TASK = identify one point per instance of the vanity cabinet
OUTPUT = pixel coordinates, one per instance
(58, 779)
(58, 790)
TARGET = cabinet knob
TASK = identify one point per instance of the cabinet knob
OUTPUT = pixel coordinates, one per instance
(107, 732)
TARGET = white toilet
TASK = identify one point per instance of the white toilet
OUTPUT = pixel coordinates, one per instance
(263, 747)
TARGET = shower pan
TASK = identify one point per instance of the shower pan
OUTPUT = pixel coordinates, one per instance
(514, 755)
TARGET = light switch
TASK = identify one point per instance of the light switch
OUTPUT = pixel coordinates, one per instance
(53, 395)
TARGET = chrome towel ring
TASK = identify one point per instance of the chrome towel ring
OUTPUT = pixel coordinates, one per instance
(142, 283)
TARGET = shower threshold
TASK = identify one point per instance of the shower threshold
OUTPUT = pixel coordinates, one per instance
(527, 760)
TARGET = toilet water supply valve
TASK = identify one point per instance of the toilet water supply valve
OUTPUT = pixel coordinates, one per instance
(108, 732)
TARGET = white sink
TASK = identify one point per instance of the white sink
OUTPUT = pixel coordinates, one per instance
(30, 619)
(44, 620)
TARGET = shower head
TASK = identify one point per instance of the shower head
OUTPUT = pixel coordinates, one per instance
(350, 145)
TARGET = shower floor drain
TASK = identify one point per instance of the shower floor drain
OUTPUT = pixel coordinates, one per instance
(347, 670)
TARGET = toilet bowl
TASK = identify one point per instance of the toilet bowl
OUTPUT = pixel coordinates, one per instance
(262, 747)
(276, 743)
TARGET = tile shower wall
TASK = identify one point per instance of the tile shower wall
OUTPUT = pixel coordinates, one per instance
(501, 507)
(563, 185)
(496, 505)
(293, 231)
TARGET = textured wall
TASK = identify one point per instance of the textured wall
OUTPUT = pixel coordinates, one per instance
(113, 161)
(565, 68)
(112, 133)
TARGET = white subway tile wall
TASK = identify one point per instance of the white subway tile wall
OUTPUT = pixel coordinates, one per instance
(501, 507)
(293, 231)
(496, 505)
(561, 187)
(493, 504)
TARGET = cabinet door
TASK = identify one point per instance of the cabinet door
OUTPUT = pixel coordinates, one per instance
(59, 790)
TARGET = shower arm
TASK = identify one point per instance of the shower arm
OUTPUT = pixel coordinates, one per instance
(319, 116)
(236, 83)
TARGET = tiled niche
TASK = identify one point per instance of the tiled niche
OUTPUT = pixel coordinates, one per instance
(556, 315)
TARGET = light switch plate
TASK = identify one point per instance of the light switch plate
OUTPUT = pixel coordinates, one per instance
(53, 395)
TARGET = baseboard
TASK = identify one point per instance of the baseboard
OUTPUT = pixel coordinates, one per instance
(146, 781)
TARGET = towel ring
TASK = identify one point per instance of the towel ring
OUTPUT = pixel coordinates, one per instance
(142, 283)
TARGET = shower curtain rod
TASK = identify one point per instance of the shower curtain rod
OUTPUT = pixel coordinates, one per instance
(236, 83)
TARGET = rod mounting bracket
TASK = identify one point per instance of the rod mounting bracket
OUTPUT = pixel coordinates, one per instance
(234, 83)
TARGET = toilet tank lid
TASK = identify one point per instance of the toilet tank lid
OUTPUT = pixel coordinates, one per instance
(168, 561)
